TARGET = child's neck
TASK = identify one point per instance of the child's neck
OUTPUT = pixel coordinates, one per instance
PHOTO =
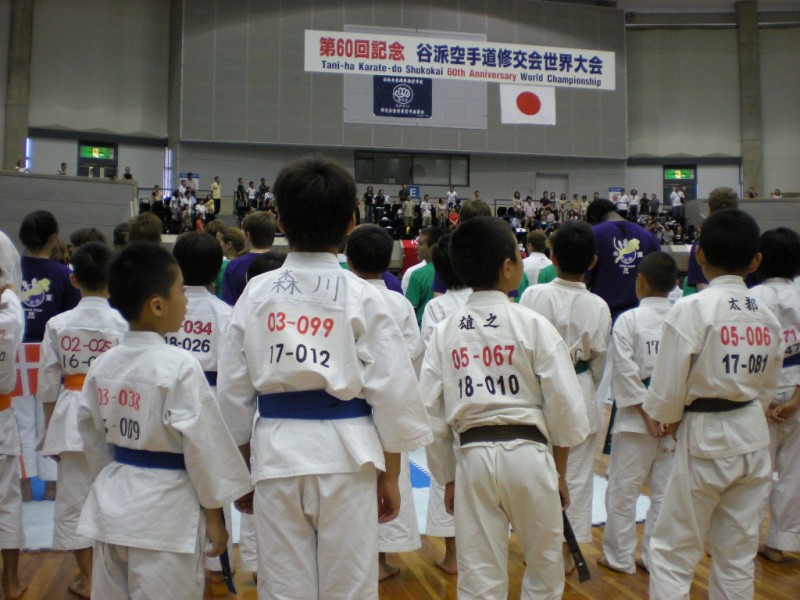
(94, 293)
(711, 272)
(655, 295)
(569, 276)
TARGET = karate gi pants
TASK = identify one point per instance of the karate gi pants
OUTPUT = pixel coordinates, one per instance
(635, 458)
(402, 534)
(784, 500)
(123, 572)
(12, 536)
(30, 421)
(438, 522)
(580, 482)
(248, 557)
(318, 536)
(499, 484)
(720, 497)
(74, 485)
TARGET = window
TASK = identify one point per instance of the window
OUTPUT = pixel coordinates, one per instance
(421, 169)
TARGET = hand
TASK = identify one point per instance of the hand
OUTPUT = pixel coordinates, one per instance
(783, 412)
(9, 286)
(245, 504)
(216, 532)
(388, 498)
(673, 429)
(770, 412)
(653, 426)
(450, 498)
(563, 491)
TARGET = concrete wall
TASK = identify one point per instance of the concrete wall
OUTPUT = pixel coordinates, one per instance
(100, 66)
(243, 77)
(76, 202)
(767, 212)
(5, 34)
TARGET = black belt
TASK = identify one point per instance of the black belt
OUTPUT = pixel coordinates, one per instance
(502, 433)
(713, 405)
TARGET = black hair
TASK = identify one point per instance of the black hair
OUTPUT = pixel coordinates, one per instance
(369, 248)
(537, 239)
(36, 228)
(121, 234)
(473, 208)
(780, 253)
(138, 272)
(478, 249)
(432, 234)
(199, 256)
(87, 234)
(316, 202)
(145, 228)
(264, 263)
(730, 239)
(90, 265)
(660, 271)
(573, 246)
(443, 264)
(261, 227)
(598, 209)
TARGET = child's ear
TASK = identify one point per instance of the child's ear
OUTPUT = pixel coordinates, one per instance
(155, 304)
(351, 225)
(74, 281)
(280, 226)
(594, 263)
(755, 263)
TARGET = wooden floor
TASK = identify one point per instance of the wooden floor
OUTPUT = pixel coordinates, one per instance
(49, 573)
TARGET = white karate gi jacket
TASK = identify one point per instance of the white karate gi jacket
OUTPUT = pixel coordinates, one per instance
(584, 321)
(72, 342)
(206, 318)
(154, 509)
(533, 264)
(12, 326)
(782, 297)
(312, 325)
(635, 341)
(406, 319)
(539, 386)
(441, 307)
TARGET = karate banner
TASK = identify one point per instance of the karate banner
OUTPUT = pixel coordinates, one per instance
(350, 53)
(403, 97)
(527, 105)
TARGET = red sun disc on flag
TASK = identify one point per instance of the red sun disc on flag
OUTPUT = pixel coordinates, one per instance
(528, 103)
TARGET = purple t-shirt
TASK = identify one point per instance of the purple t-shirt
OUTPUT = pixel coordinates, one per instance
(620, 247)
(46, 292)
(235, 277)
(694, 274)
(392, 282)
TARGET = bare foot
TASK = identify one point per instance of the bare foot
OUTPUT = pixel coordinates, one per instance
(80, 587)
(602, 562)
(569, 564)
(50, 490)
(771, 554)
(14, 590)
(448, 566)
(255, 577)
(216, 577)
(385, 570)
(641, 564)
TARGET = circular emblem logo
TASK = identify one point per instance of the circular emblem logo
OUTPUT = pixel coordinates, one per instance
(402, 94)
(33, 293)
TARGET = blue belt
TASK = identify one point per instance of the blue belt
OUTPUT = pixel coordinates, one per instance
(646, 382)
(148, 459)
(581, 367)
(211, 377)
(792, 361)
(312, 405)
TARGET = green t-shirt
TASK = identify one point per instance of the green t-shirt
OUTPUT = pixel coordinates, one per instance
(547, 274)
(218, 280)
(420, 289)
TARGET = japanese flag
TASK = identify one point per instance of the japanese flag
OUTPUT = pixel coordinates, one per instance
(527, 105)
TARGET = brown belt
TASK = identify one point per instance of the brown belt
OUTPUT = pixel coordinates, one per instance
(5, 402)
(713, 405)
(502, 433)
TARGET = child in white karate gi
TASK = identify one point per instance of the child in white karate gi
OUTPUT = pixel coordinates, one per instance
(584, 321)
(642, 448)
(154, 437)
(720, 351)
(498, 378)
(314, 353)
(369, 251)
(199, 257)
(72, 341)
(439, 522)
(780, 249)
(12, 324)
